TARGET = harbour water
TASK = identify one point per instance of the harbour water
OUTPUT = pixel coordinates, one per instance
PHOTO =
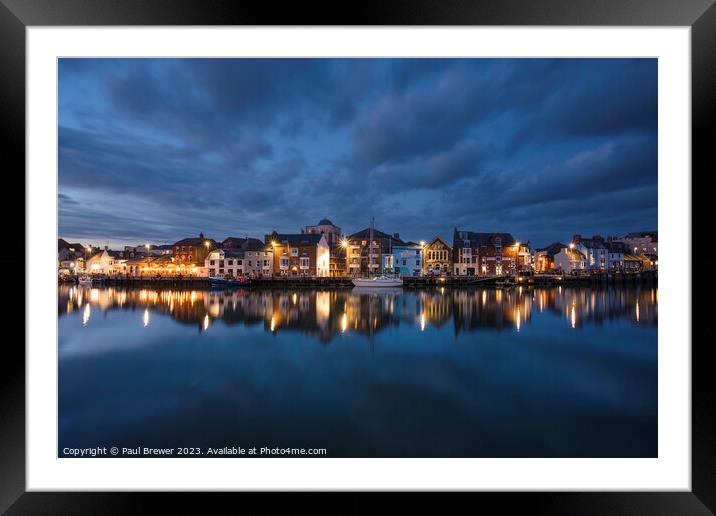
(441, 372)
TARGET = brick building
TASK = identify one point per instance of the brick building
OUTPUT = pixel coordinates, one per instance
(300, 254)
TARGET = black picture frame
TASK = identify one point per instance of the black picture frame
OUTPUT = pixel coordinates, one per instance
(17, 15)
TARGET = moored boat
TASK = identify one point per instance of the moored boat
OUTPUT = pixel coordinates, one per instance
(379, 281)
(376, 281)
(85, 280)
(239, 281)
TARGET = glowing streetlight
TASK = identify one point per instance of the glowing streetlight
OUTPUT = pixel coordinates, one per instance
(207, 244)
(422, 243)
(571, 246)
(344, 243)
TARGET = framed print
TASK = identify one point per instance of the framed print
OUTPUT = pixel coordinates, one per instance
(413, 250)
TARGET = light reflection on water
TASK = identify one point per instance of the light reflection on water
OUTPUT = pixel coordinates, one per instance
(445, 372)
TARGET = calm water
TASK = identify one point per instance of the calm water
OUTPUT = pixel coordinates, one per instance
(543, 372)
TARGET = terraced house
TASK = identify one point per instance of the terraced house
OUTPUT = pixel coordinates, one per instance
(438, 258)
(489, 254)
(299, 254)
(594, 250)
(366, 256)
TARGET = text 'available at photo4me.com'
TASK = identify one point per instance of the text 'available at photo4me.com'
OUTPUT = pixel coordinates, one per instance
(225, 451)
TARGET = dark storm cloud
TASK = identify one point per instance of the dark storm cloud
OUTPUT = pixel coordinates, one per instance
(164, 148)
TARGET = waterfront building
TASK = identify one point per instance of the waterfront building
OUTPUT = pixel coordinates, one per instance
(338, 259)
(138, 265)
(300, 254)
(642, 242)
(437, 258)
(616, 251)
(649, 262)
(594, 250)
(544, 258)
(224, 262)
(71, 265)
(163, 265)
(371, 257)
(189, 254)
(70, 258)
(569, 260)
(327, 228)
(489, 254)
(258, 259)
(408, 259)
(632, 263)
(106, 262)
(354, 257)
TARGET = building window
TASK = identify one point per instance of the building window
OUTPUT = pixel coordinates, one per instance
(305, 263)
(294, 251)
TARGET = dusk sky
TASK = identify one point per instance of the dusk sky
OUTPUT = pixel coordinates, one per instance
(154, 150)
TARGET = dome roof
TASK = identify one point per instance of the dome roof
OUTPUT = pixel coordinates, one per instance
(325, 222)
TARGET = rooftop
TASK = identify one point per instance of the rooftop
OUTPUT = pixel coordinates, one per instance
(293, 238)
(478, 239)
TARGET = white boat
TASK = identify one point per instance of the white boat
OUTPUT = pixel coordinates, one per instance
(378, 281)
(85, 280)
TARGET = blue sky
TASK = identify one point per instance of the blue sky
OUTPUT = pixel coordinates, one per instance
(154, 150)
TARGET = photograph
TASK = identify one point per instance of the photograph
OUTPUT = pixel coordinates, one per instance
(408, 257)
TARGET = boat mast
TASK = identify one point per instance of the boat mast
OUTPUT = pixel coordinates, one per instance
(370, 246)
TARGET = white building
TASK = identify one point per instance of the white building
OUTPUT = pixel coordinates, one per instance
(224, 262)
(594, 250)
(569, 260)
(105, 262)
